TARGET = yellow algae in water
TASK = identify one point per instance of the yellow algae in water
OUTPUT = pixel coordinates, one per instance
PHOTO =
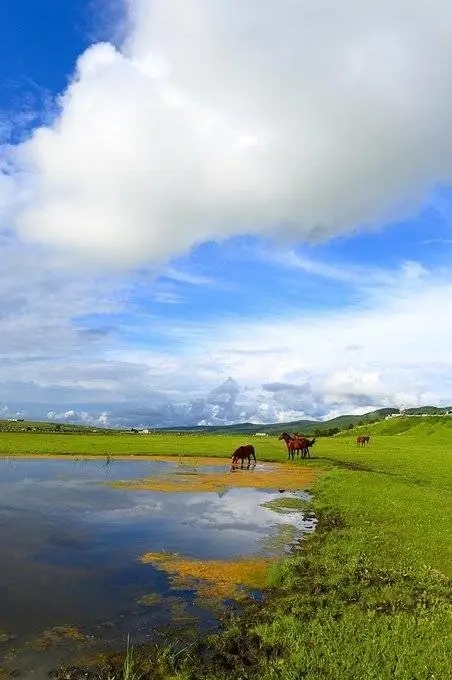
(274, 476)
(56, 636)
(213, 578)
(285, 534)
(179, 613)
(5, 674)
(5, 637)
(286, 505)
(150, 599)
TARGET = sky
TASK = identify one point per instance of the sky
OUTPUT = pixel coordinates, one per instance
(215, 212)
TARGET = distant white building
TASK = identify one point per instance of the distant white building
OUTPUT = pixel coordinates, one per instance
(143, 431)
(260, 434)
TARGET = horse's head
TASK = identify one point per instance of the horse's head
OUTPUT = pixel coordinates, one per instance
(284, 436)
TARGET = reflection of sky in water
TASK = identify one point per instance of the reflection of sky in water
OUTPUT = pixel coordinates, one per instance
(70, 544)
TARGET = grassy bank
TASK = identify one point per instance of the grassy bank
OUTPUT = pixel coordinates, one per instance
(368, 596)
(24, 443)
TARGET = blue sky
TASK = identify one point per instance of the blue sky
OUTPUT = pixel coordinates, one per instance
(188, 241)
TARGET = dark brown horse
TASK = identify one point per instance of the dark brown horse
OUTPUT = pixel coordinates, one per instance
(362, 440)
(245, 451)
(307, 443)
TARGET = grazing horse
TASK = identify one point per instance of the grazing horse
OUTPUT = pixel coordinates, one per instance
(362, 440)
(246, 451)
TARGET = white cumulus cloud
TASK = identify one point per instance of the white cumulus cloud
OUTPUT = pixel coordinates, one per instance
(220, 117)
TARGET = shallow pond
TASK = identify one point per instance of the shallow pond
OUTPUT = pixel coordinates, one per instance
(71, 547)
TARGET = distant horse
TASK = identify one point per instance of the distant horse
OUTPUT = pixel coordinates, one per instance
(296, 445)
(245, 451)
(362, 440)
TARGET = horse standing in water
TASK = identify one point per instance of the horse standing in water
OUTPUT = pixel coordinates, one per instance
(245, 451)
(362, 440)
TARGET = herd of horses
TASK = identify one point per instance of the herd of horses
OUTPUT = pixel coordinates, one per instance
(297, 445)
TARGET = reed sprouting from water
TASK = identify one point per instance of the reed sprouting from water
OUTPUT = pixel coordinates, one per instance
(128, 669)
(157, 662)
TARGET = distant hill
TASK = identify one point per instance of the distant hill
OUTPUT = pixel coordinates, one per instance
(316, 427)
(427, 410)
(413, 424)
(303, 426)
(404, 420)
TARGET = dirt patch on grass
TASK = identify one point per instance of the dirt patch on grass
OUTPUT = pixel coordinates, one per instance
(212, 578)
(272, 476)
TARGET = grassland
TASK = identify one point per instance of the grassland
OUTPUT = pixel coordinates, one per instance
(22, 444)
(368, 596)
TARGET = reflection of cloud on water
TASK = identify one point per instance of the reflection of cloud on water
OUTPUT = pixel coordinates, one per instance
(137, 511)
(239, 508)
(237, 514)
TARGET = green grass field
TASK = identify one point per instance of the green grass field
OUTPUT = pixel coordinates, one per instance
(368, 596)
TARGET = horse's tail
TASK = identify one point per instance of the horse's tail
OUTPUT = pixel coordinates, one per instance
(253, 453)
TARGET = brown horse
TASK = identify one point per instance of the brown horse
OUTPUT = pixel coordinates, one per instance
(292, 443)
(245, 451)
(296, 445)
(362, 440)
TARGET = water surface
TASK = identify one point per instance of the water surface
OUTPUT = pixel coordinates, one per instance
(70, 546)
